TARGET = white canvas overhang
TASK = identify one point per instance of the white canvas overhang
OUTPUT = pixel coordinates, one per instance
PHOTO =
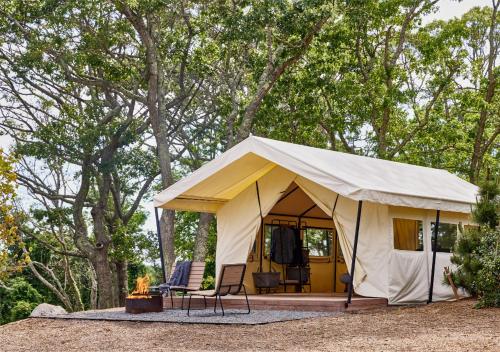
(354, 177)
(228, 185)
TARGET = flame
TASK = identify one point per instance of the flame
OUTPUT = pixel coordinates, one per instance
(141, 288)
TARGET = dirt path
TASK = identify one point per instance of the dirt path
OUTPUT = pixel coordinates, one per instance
(437, 327)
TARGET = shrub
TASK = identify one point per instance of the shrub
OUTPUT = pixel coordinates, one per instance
(21, 310)
(17, 300)
(208, 283)
(488, 275)
(487, 210)
(477, 251)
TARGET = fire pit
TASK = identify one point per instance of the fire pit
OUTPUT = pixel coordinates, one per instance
(153, 303)
(142, 300)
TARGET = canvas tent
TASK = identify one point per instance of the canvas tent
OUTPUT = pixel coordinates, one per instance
(248, 180)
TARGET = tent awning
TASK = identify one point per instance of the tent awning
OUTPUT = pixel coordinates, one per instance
(352, 176)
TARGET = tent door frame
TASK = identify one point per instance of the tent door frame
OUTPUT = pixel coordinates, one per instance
(335, 241)
(354, 252)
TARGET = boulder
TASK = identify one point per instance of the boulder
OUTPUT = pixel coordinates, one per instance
(47, 310)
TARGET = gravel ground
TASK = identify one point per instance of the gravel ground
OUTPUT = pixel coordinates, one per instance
(438, 327)
(206, 316)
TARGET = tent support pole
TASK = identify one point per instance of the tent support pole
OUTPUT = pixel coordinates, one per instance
(261, 228)
(335, 244)
(158, 231)
(354, 251)
(434, 251)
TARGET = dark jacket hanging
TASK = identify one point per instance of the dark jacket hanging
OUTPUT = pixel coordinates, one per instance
(284, 245)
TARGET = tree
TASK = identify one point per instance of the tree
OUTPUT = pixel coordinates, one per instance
(78, 141)
(477, 251)
(257, 43)
(486, 86)
(462, 133)
(338, 96)
(10, 262)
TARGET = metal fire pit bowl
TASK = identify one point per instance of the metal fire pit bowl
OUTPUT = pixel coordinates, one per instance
(153, 303)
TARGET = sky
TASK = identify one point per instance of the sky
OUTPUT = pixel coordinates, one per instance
(453, 8)
(447, 10)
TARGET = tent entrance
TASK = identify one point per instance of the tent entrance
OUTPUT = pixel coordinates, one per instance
(317, 234)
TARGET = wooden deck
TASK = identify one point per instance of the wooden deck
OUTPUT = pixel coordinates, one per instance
(289, 301)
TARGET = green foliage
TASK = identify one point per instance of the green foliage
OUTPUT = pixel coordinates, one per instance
(426, 106)
(488, 276)
(17, 300)
(208, 283)
(466, 258)
(487, 211)
(185, 236)
(10, 262)
(477, 251)
(209, 277)
(22, 310)
(75, 88)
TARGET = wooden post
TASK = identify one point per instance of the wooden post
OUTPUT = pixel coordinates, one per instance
(452, 284)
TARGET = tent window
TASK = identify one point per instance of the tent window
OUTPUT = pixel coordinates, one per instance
(318, 240)
(447, 235)
(268, 229)
(408, 234)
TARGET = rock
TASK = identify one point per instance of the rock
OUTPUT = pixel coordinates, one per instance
(47, 310)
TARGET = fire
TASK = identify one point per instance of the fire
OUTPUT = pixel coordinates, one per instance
(141, 288)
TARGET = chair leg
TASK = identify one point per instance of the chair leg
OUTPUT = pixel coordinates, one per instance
(246, 297)
(221, 307)
(182, 302)
(189, 304)
(205, 301)
(215, 305)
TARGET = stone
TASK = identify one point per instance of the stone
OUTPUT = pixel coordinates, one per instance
(47, 310)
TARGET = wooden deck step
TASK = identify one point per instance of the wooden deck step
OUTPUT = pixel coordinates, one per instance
(285, 302)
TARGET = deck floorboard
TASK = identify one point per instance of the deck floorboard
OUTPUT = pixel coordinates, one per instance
(292, 302)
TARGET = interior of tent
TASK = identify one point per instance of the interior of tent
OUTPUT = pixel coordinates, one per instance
(318, 238)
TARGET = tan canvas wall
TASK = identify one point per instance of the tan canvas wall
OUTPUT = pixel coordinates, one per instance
(409, 271)
(239, 219)
(381, 271)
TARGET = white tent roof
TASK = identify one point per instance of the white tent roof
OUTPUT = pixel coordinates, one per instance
(352, 176)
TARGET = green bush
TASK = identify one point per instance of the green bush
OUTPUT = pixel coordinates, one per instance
(487, 210)
(18, 300)
(477, 251)
(488, 281)
(208, 283)
(21, 310)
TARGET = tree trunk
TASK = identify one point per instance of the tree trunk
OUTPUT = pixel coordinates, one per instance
(156, 110)
(122, 281)
(200, 246)
(167, 231)
(73, 286)
(93, 287)
(104, 277)
(116, 290)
